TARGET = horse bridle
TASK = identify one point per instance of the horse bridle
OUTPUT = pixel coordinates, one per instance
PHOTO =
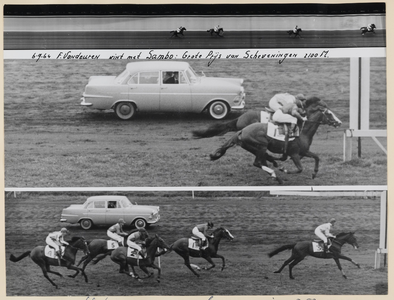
(327, 120)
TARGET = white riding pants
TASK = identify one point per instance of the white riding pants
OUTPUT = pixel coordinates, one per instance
(198, 234)
(115, 236)
(53, 244)
(280, 117)
(321, 236)
(134, 245)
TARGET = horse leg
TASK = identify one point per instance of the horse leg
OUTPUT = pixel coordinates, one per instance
(186, 259)
(222, 150)
(72, 267)
(223, 260)
(340, 267)
(297, 161)
(291, 266)
(339, 256)
(82, 259)
(285, 264)
(316, 158)
(46, 270)
(154, 266)
(261, 162)
(209, 259)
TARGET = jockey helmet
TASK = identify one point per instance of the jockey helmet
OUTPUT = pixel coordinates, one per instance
(121, 221)
(332, 220)
(210, 224)
(64, 230)
(300, 97)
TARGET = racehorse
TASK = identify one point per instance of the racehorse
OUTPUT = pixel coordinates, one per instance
(254, 139)
(302, 249)
(219, 31)
(176, 32)
(119, 256)
(44, 262)
(365, 29)
(181, 247)
(297, 33)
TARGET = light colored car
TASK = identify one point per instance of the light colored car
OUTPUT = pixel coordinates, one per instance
(163, 86)
(107, 210)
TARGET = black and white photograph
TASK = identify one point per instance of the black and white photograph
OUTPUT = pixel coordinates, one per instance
(137, 137)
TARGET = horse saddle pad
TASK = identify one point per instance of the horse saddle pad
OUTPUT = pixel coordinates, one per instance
(265, 116)
(195, 244)
(317, 247)
(277, 132)
(51, 252)
(131, 252)
(112, 244)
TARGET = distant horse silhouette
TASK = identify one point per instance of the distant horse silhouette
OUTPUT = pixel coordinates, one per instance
(297, 33)
(219, 31)
(181, 247)
(153, 244)
(365, 29)
(302, 249)
(176, 33)
(68, 261)
(254, 139)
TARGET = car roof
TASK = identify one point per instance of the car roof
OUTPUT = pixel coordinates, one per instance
(157, 65)
(107, 197)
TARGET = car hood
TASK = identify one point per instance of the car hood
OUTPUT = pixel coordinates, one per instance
(220, 80)
(102, 80)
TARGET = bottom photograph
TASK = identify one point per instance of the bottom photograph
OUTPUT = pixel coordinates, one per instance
(195, 243)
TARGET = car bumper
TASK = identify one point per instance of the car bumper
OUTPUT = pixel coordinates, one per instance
(154, 220)
(84, 103)
(240, 106)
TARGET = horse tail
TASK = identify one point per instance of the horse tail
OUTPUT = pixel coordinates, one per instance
(216, 129)
(222, 150)
(280, 249)
(100, 257)
(13, 258)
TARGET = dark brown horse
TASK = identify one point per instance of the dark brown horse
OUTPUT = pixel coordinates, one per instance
(68, 261)
(181, 247)
(218, 32)
(302, 249)
(254, 139)
(153, 245)
(176, 33)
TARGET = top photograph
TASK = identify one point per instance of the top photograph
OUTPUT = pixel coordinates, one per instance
(194, 95)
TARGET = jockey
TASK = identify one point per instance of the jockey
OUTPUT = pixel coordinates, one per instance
(289, 113)
(179, 29)
(278, 100)
(136, 239)
(56, 239)
(370, 27)
(116, 233)
(323, 232)
(295, 29)
(200, 231)
(216, 28)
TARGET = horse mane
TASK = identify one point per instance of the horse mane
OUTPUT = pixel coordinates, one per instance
(343, 234)
(311, 100)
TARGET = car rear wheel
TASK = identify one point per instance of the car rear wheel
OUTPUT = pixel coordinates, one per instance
(218, 110)
(86, 224)
(140, 223)
(125, 110)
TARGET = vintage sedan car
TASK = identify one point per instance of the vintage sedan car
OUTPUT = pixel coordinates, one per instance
(107, 210)
(163, 86)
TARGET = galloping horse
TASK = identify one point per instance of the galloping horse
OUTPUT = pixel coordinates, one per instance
(297, 33)
(182, 248)
(44, 262)
(176, 33)
(365, 29)
(254, 139)
(303, 249)
(119, 256)
(218, 32)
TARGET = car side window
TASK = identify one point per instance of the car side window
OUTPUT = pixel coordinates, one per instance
(148, 77)
(99, 204)
(170, 77)
(133, 79)
(111, 204)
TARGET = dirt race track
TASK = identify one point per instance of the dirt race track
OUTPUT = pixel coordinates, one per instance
(259, 224)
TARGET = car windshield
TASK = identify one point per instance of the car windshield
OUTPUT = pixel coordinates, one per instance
(191, 75)
(125, 202)
(122, 77)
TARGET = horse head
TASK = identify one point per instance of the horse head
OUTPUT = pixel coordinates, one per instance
(347, 238)
(223, 232)
(156, 242)
(318, 111)
(81, 244)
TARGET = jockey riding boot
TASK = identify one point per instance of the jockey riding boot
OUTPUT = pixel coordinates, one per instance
(325, 248)
(291, 130)
(59, 257)
(142, 254)
(286, 138)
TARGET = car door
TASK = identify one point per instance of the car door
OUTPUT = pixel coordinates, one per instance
(175, 92)
(96, 211)
(113, 212)
(144, 90)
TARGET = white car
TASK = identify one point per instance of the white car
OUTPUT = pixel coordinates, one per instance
(163, 86)
(107, 210)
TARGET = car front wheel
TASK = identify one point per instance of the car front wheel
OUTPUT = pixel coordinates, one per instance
(218, 110)
(86, 224)
(125, 110)
(140, 223)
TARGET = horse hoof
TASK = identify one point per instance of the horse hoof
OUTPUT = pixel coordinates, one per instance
(344, 276)
(276, 272)
(291, 277)
(313, 176)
